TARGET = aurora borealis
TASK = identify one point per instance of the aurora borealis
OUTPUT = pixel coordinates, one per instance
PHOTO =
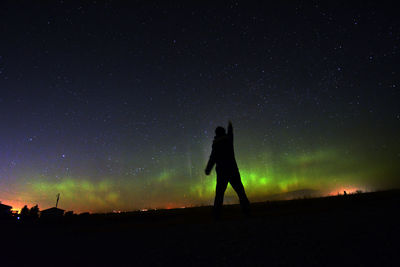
(114, 105)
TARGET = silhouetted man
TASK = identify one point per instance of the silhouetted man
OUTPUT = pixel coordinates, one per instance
(227, 170)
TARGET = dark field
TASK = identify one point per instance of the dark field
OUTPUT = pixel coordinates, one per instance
(360, 230)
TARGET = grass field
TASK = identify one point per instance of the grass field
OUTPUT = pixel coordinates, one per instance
(352, 230)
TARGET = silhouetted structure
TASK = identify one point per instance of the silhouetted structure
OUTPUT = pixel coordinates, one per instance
(5, 211)
(69, 213)
(58, 198)
(223, 157)
(52, 212)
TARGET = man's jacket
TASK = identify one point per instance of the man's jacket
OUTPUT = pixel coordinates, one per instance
(223, 154)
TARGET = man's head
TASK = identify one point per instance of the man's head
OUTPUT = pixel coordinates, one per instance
(220, 131)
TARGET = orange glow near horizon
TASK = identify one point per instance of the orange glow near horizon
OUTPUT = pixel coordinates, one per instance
(15, 204)
(348, 189)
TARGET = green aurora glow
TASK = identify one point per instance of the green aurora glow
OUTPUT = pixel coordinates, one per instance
(327, 171)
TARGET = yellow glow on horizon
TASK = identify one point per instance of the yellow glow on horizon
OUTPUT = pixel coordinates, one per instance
(16, 210)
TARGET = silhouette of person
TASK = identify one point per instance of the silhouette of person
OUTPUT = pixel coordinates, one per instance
(223, 157)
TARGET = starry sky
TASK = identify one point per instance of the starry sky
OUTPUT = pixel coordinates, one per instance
(114, 104)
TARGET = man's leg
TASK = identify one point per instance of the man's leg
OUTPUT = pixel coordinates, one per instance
(222, 183)
(237, 185)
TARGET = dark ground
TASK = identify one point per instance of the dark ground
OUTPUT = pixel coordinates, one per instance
(353, 230)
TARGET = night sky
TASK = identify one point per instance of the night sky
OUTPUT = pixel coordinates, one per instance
(114, 104)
